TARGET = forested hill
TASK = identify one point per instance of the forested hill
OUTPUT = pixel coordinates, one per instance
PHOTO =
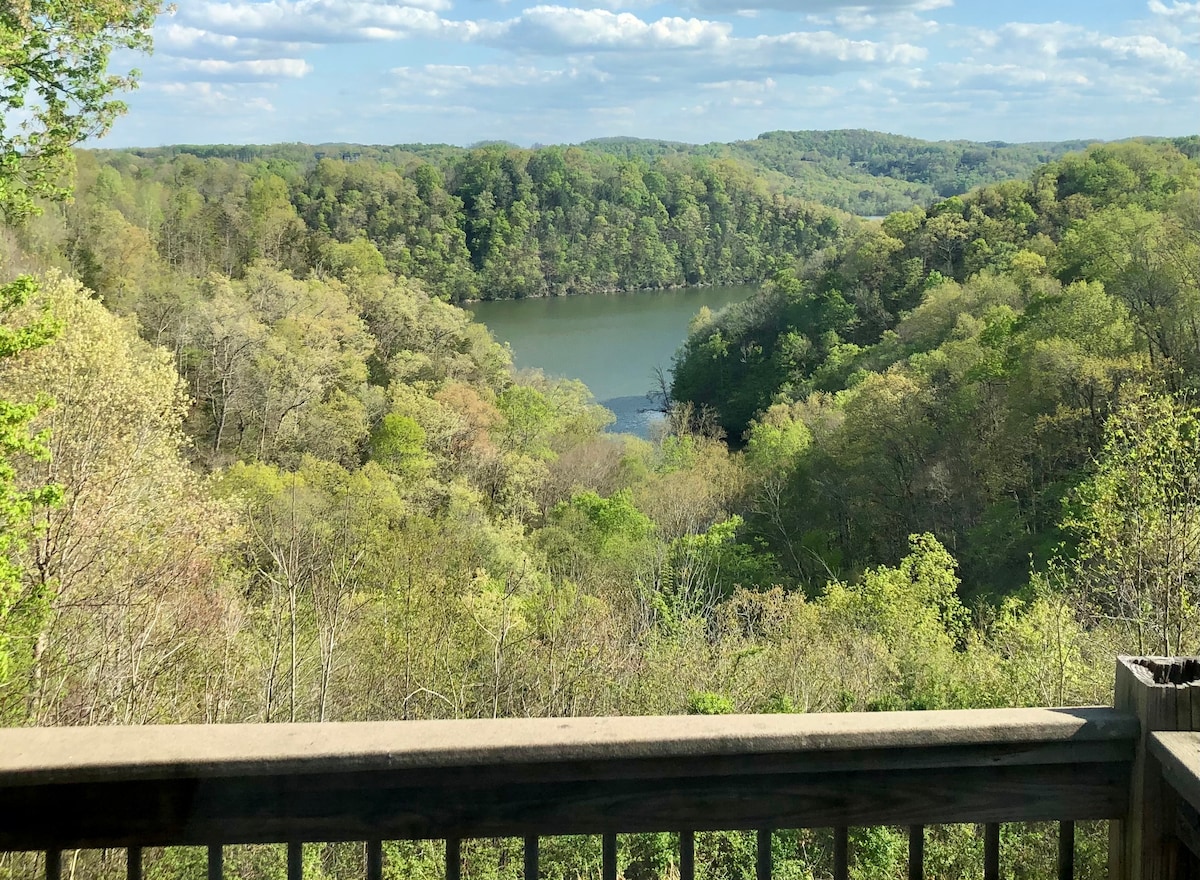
(960, 369)
(493, 222)
(863, 172)
(497, 221)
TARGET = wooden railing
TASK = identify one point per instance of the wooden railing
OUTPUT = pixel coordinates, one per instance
(135, 787)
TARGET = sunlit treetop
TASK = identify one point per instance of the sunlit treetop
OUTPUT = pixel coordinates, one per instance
(56, 88)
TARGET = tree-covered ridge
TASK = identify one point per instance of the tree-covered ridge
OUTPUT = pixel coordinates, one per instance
(956, 370)
(861, 172)
(494, 222)
(867, 173)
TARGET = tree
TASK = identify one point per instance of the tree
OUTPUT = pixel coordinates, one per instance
(123, 588)
(16, 500)
(54, 77)
(1138, 519)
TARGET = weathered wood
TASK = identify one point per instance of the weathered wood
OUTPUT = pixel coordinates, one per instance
(133, 863)
(1066, 851)
(531, 857)
(687, 855)
(88, 754)
(1187, 827)
(991, 851)
(1159, 691)
(980, 766)
(841, 853)
(295, 861)
(375, 860)
(1178, 756)
(367, 806)
(763, 861)
(916, 852)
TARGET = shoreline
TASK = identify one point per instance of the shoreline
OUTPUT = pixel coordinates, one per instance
(615, 291)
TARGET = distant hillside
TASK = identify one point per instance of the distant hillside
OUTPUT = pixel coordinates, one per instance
(868, 173)
(863, 172)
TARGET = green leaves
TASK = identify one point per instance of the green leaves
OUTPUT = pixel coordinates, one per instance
(54, 76)
(1138, 522)
(17, 498)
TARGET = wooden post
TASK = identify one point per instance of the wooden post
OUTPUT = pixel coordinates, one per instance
(1163, 694)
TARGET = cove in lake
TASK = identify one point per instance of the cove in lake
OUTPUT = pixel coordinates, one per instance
(612, 342)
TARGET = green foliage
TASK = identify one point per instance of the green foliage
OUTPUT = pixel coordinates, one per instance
(708, 703)
(398, 443)
(1138, 522)
(54, 69)
(864, 172)
(18, 499)
(955, 368)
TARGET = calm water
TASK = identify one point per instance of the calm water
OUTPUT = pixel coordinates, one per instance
(612, 342)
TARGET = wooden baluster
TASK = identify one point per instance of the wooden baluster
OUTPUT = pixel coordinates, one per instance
(53, 864)
(687, 855)
(216, 862)
(841, 853)
(1066, 850)
(133, 863)
(763, 867)
(991, 851)
(453, 858)
(608, 858)
(916, 852)
(374, 860)
(295, 869)
(531, 858)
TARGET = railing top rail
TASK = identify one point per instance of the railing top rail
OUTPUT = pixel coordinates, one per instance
(1179, 754)
(32, 756)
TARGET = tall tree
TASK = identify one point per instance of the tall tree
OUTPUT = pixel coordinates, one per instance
(56, 89)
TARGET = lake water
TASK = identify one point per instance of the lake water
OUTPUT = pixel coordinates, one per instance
(613, 342)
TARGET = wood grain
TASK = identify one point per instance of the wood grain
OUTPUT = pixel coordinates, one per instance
(731, 773)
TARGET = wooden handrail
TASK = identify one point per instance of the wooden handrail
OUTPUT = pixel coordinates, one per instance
(109, 787)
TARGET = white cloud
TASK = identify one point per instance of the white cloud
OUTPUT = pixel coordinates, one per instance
(566, 29)
(246, 71)
(182, 40)
(800, 50)
(325, 21)
(694, 48)
(1141, 50)
(820, 6)
(207, 97)
(437, 79)
(1188, 12)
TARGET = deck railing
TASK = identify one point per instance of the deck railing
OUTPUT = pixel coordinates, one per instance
(135, 787)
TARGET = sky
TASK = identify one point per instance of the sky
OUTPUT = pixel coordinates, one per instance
(529, 72)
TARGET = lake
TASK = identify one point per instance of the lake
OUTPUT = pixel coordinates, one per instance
(613, 342)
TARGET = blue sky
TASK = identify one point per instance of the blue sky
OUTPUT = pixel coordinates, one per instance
(539, 71)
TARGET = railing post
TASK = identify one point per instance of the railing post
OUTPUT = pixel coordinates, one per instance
(1164, 694)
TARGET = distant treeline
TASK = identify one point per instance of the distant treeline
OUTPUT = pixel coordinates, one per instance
(495, 222)
(499, 222)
